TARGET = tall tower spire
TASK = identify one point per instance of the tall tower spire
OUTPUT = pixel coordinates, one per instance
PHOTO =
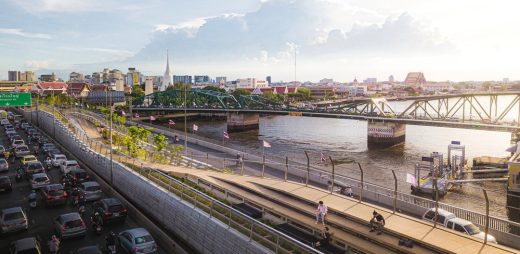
(167, 78)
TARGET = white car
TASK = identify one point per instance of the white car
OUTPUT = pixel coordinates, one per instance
(67, 165)
(57, 159)
(13, 219)
(39, 180)
(4, 122)
(467, 227)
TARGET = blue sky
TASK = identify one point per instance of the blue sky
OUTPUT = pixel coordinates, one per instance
(340, 39)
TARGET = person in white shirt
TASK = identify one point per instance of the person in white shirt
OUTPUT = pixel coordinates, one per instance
(321, 211)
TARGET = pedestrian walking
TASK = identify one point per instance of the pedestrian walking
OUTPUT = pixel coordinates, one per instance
(377, 222)
(54, 244)
(321, 212)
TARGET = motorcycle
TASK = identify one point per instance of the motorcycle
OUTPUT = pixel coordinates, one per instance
(111, 241)
(95, 220)
(81, 210)
(32, 200)
(18, 175)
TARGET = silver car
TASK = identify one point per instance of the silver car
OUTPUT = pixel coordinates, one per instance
(91, 190)
(13, 219)
(57, 159)
(21, 151)
(2, 149)
(4, 166)
(25, 245)
(137, 241)
(39, 180)
(70, 225)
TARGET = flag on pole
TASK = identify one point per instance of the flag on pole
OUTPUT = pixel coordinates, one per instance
(123, 113)
(411, 179)
(152, 118)
(171, 122)
(322, 157)
(266, 144)
(226, 135)
(195, 127)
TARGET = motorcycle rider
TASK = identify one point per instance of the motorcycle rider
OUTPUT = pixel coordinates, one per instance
(48, 162)
(96, 221)
(111, 242)
(54, 244)
(32, 198)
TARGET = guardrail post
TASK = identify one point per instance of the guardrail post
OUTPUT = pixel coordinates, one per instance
(251, 232)
(224, 164)
(211, 209)
(308, 168)
(395, 190)
(362, 182)
(486, 229)
(286, 167)
(263, 165)
(207, 159)
(242, 167)
(333, 175)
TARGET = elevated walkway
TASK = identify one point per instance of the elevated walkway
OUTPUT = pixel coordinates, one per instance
(347, 218)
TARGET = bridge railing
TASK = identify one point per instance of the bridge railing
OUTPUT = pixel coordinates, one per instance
(374, 193)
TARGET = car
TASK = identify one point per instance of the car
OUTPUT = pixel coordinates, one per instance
(70, 225)
(137, 241)
(4, 122)
(33, 168)
(15, 137)
(48, 146)
(57, 159)
(30, 130)
(36, 136)
(67, 165)
(77, 175)
(10, 132)
(93, 249)
(24, 125)
(42, 140)
(110, 209)
(13, 219)
(52, 152)
(467, 227)
(28, 245)
(17, 143)
(91, 190)
(4, 165)
(2, 150)
(28, 158)
(5, 184)
(442, 218)
(53, 194)
(21, 151)
(39, 180)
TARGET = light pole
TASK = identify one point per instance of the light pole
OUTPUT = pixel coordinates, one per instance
(111, 160)
(185, 121)
(53, 115)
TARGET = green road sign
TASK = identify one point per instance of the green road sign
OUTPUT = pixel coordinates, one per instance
(15, 99)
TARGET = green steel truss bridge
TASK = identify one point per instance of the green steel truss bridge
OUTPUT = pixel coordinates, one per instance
(491, 111)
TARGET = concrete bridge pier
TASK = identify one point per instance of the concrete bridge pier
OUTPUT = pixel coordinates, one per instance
(242, 121)
(382, 133)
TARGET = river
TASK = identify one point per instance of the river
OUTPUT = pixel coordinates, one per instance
(347, 139)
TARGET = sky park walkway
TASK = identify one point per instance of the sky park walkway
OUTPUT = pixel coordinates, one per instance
(294, 203)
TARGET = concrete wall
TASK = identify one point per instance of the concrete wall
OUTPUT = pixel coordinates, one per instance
(196, 228)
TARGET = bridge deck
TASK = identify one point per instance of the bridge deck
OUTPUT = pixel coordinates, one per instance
(347, 217)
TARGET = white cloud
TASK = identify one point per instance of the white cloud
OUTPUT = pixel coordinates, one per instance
(74, 6)
(37, 64)
(118, 53)
(20, 32)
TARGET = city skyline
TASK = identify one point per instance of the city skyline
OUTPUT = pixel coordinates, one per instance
(335, 39)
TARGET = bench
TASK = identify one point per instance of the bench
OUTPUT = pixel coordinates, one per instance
(248, 210)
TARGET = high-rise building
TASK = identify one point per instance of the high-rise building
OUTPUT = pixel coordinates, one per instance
(96, 78)
(133, 77)
(221, 80)
(391, 79)
(167, 77)
(48, 77)
(268, 79)
(148, 85)
(27, 76)
(200, 79)
(186, 79)
(76, 76)
(13, 75)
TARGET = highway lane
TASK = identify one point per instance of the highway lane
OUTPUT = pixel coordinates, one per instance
(41, 218)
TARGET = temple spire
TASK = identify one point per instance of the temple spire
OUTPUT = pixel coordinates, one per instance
(167, 78)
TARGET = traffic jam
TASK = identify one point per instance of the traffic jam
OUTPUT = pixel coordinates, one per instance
(52, 205)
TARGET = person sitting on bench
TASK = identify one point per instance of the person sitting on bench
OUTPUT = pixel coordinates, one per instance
(377, 222)
(325, 238)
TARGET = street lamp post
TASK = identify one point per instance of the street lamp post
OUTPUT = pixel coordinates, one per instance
(185, 122)
(111, 160)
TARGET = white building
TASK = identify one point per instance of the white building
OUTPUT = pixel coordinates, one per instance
(148, 85)
(357, 90)
(251, 83)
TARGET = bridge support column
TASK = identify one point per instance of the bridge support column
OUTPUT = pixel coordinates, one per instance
(385, 133)
(242, 121)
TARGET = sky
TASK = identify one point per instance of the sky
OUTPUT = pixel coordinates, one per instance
(306, 40)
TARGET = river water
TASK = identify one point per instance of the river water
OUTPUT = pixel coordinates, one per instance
(347, 139)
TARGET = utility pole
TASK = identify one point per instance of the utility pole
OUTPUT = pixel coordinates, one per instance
(185, 121)
(111, 160)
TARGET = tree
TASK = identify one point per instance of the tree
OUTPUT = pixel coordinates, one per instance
(160, 142)
(274, 97)
(182, 86)
(304, 93)
(486, 86)
(239, 91)
(214, 88)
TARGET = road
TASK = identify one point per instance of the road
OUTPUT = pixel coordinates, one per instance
(41, 218)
